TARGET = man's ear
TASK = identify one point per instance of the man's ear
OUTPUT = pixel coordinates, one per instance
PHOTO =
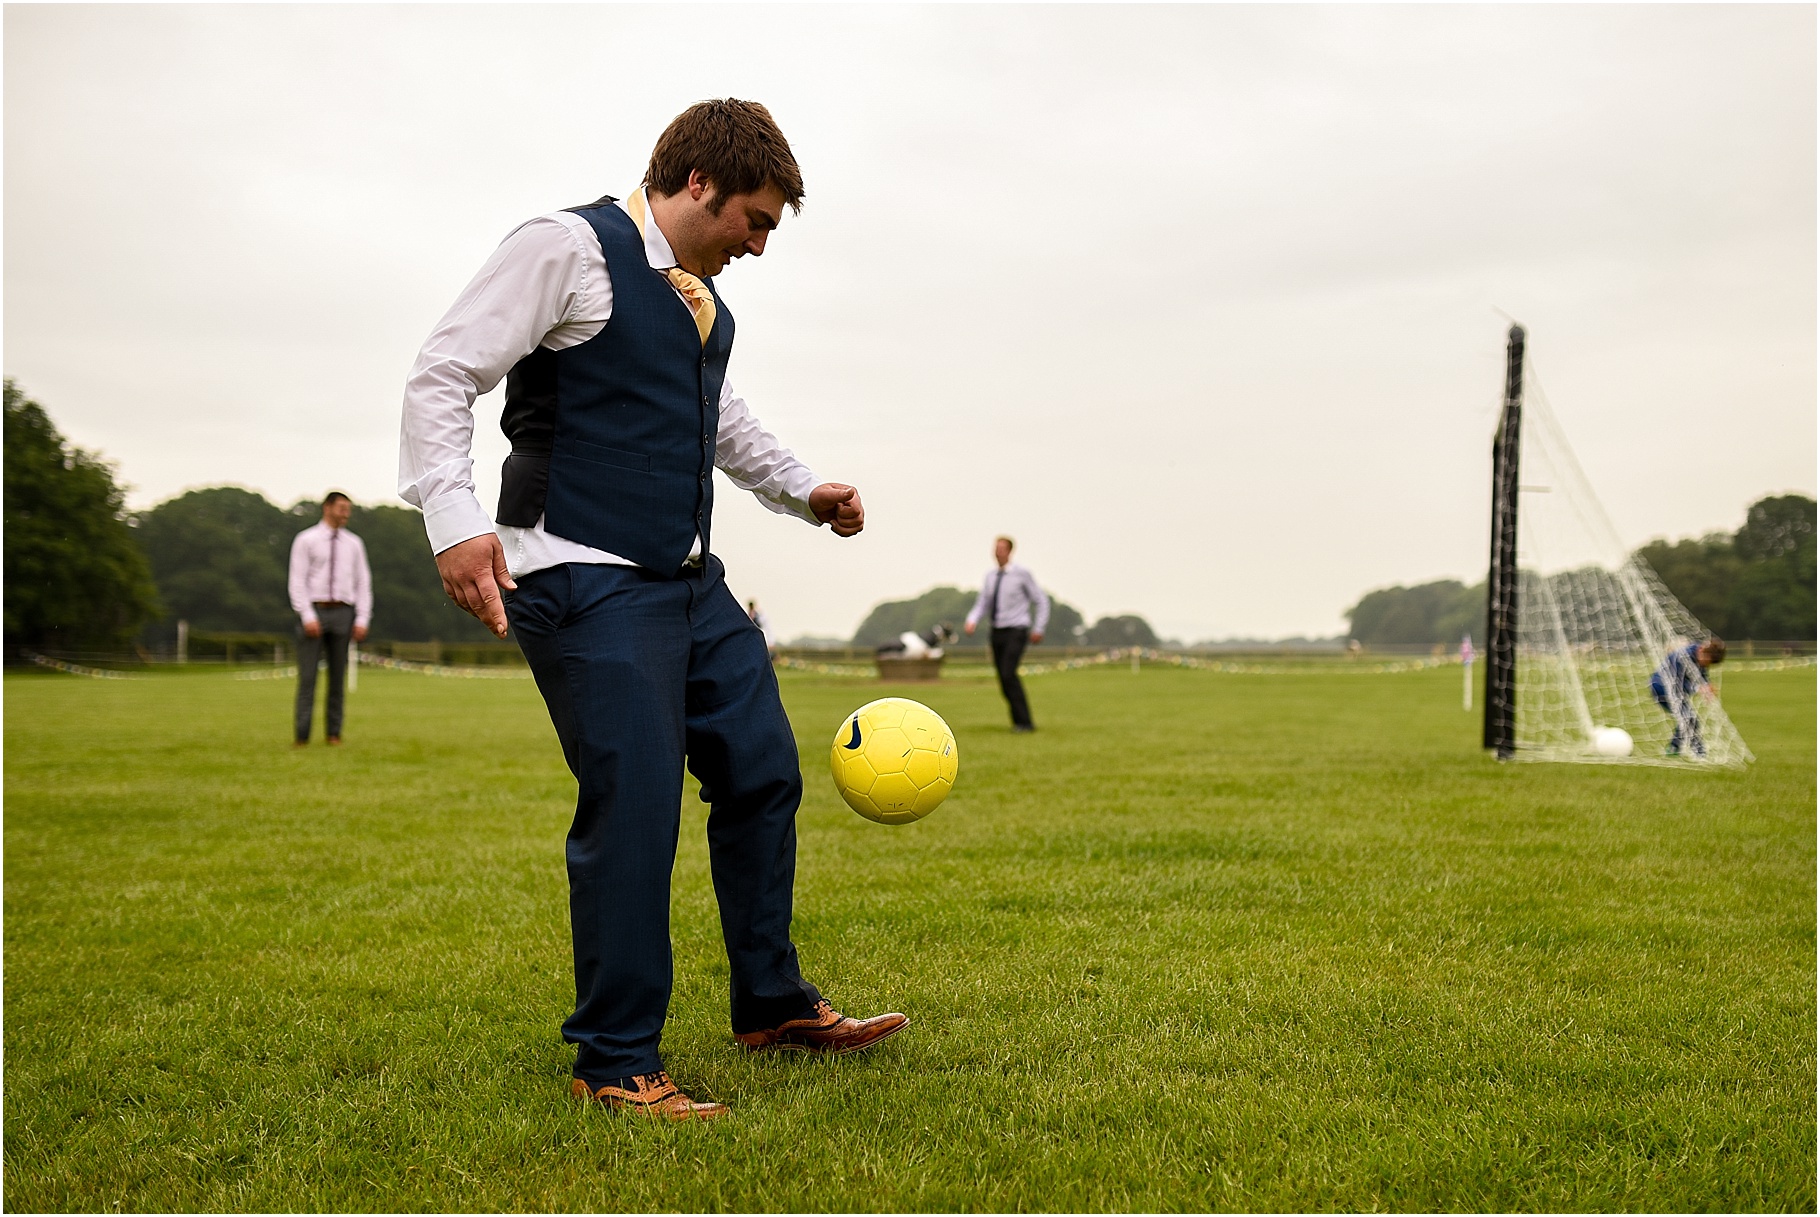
(699, 185)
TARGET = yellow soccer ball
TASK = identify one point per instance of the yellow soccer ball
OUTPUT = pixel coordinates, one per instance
(894, 760)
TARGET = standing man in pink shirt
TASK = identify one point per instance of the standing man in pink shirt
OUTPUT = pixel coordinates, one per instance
(332, 593)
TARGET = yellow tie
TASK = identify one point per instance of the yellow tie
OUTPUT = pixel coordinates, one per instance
(694, 291)
(701, 300)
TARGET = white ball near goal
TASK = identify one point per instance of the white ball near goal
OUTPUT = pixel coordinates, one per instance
(1612, 741)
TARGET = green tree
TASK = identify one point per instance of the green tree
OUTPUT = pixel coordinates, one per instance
(939, 605)
(1463, 615)
(221, 557)
(1442, 611)
(1067, 628)
(1774, 593)
(1127, 631)
(950, 606)
(75, 578)
(1758, 583)
(1777, 527)
(1702, 573)
(409, 604)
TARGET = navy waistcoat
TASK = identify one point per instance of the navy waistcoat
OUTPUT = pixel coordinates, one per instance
(613, 439)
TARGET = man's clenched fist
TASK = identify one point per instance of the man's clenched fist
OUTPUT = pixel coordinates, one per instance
(838, 507)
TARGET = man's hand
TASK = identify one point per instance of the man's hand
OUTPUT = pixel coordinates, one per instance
(472, 574)
(838, 507)
(313, 628)
(360, 633)
(968, 627)
(1036, 636)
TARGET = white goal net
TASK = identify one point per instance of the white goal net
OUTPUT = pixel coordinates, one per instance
(1595, 624)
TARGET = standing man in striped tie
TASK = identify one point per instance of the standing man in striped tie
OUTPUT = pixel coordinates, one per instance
(606, 324)
(332, 594)
(1015, 611)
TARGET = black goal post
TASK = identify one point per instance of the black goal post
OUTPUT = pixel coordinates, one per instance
(1501, 583)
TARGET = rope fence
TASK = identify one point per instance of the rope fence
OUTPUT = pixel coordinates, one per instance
(1131, 655)
(76, 669)
(1772, 665)
(486, 672)
(1149, 655)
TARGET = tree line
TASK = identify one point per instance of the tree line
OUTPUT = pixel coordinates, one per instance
(221, 560)
(950, 605)
(82, 573)
(1755, 583)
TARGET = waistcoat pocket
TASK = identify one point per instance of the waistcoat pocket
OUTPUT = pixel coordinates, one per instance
(600, 454)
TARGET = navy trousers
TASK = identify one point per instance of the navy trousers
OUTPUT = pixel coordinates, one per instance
(643, 672)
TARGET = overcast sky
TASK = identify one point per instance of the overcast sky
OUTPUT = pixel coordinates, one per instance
(1199, 303)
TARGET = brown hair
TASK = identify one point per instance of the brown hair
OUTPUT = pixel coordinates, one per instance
(734, 143)
(1715, 649)
(334, 496)
(1007, 540)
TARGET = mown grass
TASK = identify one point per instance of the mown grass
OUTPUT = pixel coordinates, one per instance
(1206, 941)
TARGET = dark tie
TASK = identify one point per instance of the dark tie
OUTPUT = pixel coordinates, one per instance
(992, 600)
(334, 536)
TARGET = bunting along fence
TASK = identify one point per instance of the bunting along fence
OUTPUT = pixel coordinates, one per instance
(464, 672)
(1156, 658)
(76, 669)
(865, 671)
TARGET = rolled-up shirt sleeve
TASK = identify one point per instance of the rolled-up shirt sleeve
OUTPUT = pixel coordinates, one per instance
(533, 282)
(753, 458)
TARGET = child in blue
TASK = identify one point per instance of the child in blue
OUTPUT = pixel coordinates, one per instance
(1674, 684)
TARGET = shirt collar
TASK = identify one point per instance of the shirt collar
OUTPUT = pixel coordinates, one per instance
(657, 249)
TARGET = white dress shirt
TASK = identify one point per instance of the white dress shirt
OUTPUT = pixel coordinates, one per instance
(1018, 595)
(546, 286)
(330, 564)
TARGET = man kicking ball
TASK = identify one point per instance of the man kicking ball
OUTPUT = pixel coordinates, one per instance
(613, 342)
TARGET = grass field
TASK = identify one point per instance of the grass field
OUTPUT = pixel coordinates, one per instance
(1206, 941)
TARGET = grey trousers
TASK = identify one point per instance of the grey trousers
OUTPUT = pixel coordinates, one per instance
(337, 630)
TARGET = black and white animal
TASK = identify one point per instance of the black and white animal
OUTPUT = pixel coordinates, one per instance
(926, 645)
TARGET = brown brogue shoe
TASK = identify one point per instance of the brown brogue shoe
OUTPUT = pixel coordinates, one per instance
(825, 1030)
(651, 1094)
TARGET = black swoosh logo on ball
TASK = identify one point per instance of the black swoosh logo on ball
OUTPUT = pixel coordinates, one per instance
(854, 742)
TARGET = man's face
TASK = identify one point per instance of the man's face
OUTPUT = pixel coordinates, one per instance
(710, 240)
(1001, 552)
(336, 514)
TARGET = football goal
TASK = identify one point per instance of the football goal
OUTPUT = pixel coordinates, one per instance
(1577, 623)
